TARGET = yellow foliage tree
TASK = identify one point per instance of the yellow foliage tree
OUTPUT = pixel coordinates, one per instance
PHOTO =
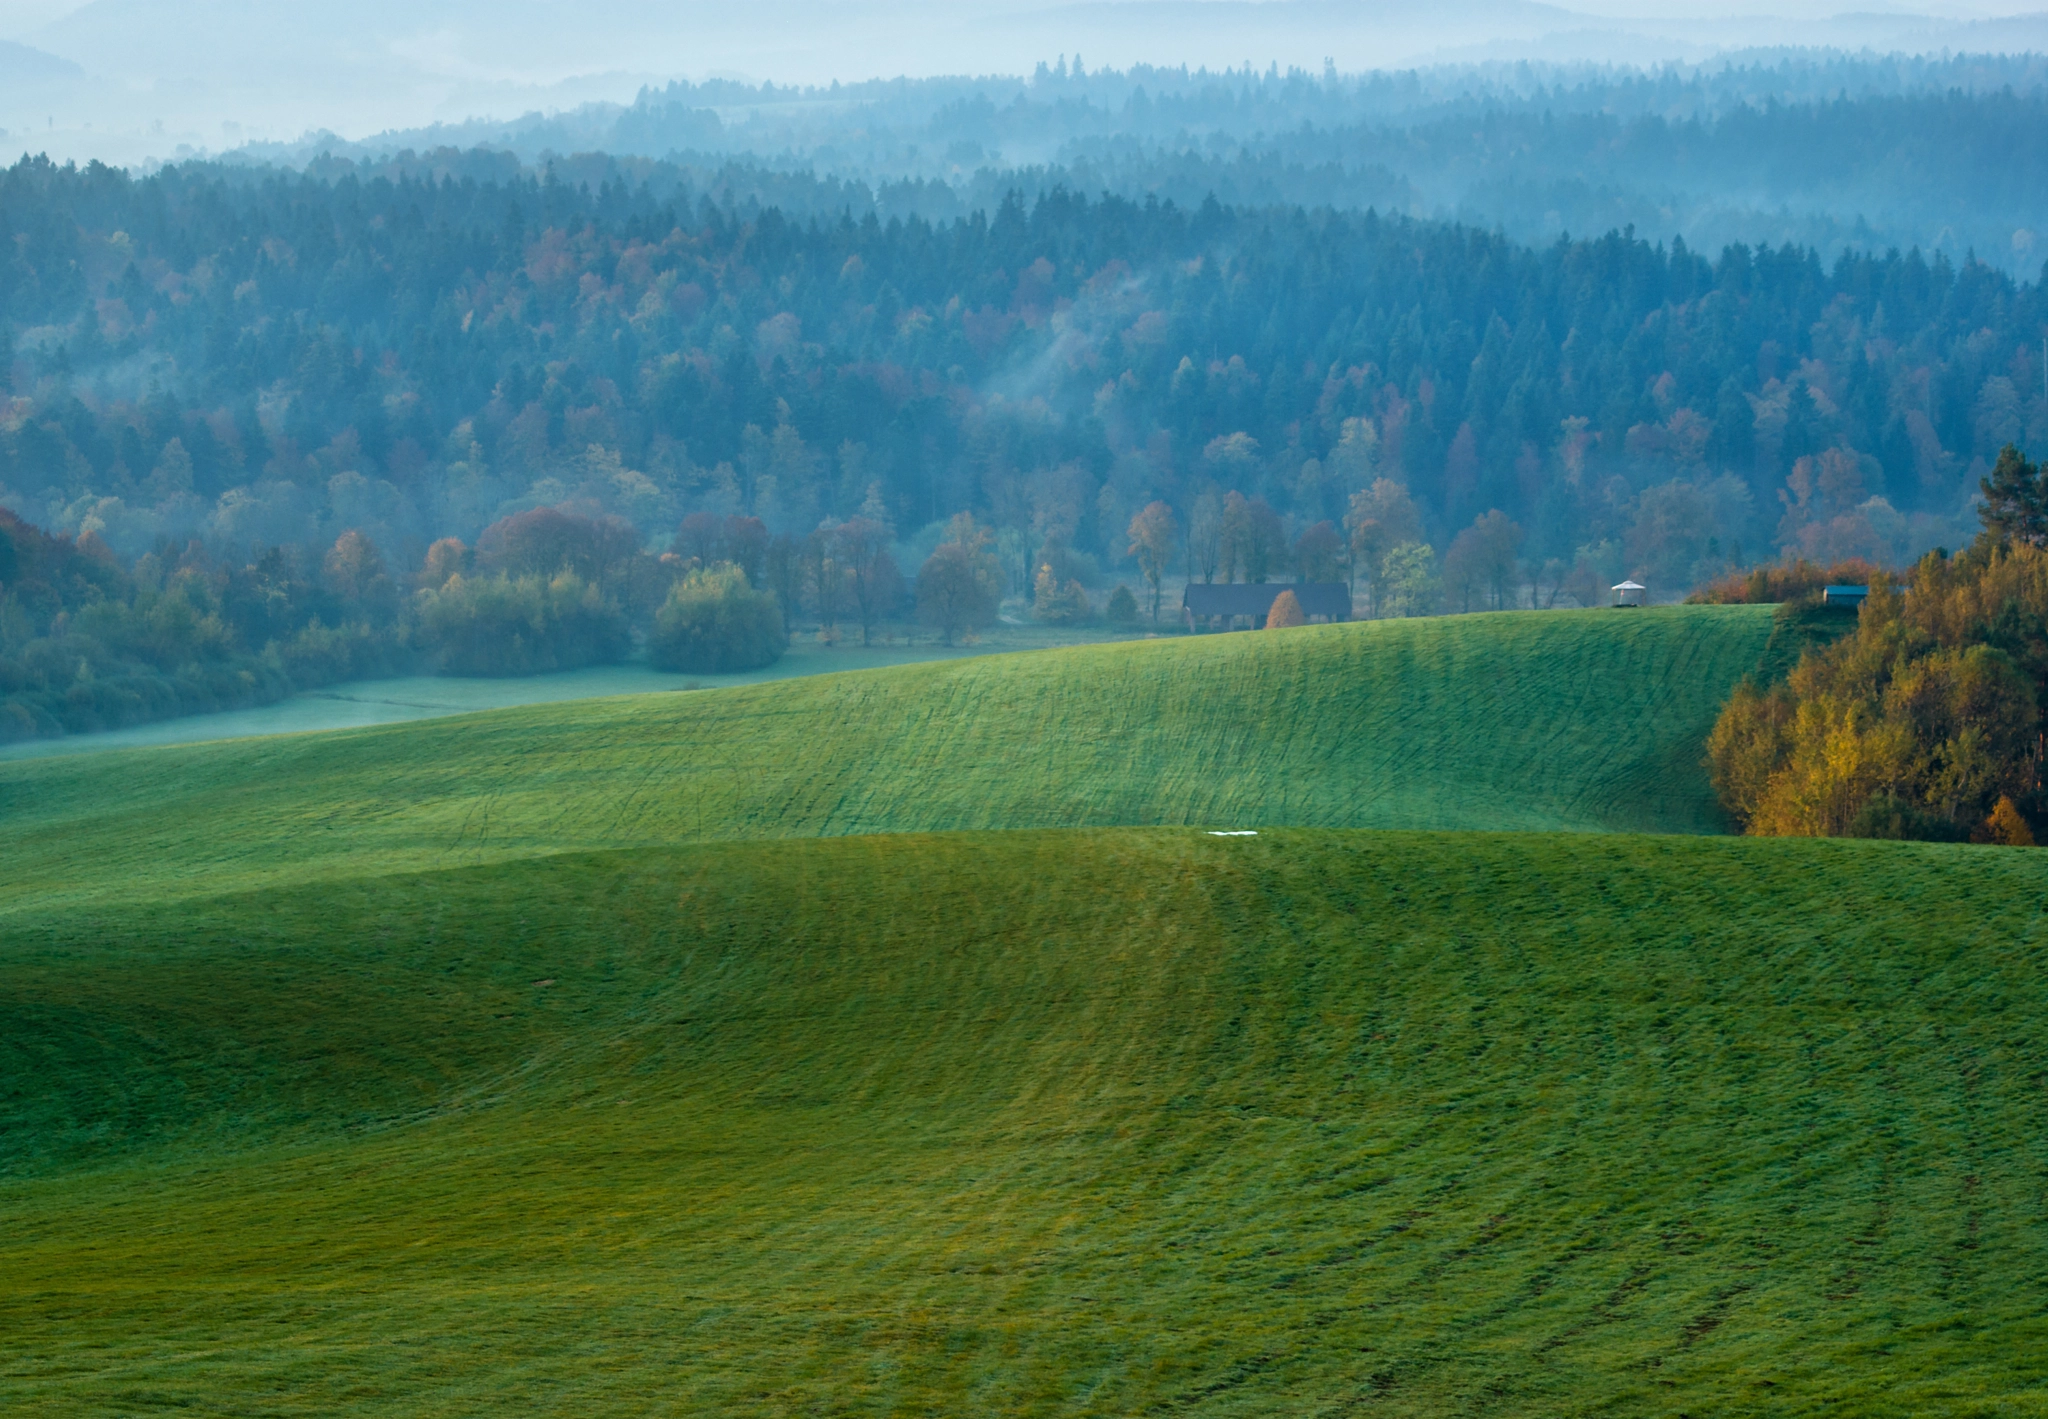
(1750, 740)
(1285, 612)
(1842, 756)
(2006, 827)
(1914, 726)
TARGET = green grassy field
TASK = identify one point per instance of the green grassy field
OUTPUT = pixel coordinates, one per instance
(656, 1055)
(1078, 1122)
(1556, 720)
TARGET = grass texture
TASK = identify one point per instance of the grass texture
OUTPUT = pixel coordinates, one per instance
(1519, 720)
(1048, 1123)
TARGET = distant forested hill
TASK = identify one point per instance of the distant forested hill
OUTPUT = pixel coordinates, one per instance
(1818, 148)
(416, 348)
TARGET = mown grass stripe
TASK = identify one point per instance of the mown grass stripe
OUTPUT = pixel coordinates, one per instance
(1434, 1121)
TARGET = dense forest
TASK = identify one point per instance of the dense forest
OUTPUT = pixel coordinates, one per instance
(416, 354)
(1833, 151)
(420, 349)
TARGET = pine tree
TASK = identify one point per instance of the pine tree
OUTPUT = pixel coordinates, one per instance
(2015, 507)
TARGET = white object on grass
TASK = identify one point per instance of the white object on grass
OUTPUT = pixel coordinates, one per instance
(1235, 833)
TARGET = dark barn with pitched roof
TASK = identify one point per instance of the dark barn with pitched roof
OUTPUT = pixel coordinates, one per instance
(1227, 601)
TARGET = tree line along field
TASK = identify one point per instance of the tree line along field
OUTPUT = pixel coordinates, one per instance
(655, 1055)
(1070, 1122)
(1530, 720)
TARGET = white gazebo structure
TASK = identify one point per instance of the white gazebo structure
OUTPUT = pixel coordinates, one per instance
(1629, 593)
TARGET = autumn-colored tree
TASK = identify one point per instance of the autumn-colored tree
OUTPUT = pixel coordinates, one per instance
(872, 579)
(1820, 487)
(445, 558)
(1481, 563)
(1748, 743)
(1842, 755)
(350, 565)
(1915, 725)
(705, 538)
(743, 541)
(1319, 554)
(698, 538)
(2006, 827)
(1232, 459)
(1285, 612)
(960, 586)
(1381, 518)
(1059, 602)
(1153, 533)
(353, 572)
(543, 541)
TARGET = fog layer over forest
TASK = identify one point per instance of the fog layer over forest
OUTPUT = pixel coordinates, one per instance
(1948, 154)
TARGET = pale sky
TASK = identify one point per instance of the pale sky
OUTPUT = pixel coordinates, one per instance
(18, 17)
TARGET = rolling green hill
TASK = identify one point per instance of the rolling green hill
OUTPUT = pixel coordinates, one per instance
(654, 1055)
(1074, 1122)
(1552, 720)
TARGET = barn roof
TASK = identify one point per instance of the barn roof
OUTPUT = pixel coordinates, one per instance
(1317, 598)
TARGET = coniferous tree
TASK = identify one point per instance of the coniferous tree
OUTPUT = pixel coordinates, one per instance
(2015, 507)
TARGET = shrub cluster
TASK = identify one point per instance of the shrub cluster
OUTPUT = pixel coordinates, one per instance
(87, 643)
(715, 622)
(1790, 581)
(525, 625)
(1057, 602)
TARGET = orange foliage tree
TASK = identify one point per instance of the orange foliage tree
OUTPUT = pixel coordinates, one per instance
(1788, 582)
(1285, 612)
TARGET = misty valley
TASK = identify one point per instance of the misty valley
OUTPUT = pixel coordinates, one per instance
(818, 710)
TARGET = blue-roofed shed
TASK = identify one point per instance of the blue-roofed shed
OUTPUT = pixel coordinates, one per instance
(1845, 595)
